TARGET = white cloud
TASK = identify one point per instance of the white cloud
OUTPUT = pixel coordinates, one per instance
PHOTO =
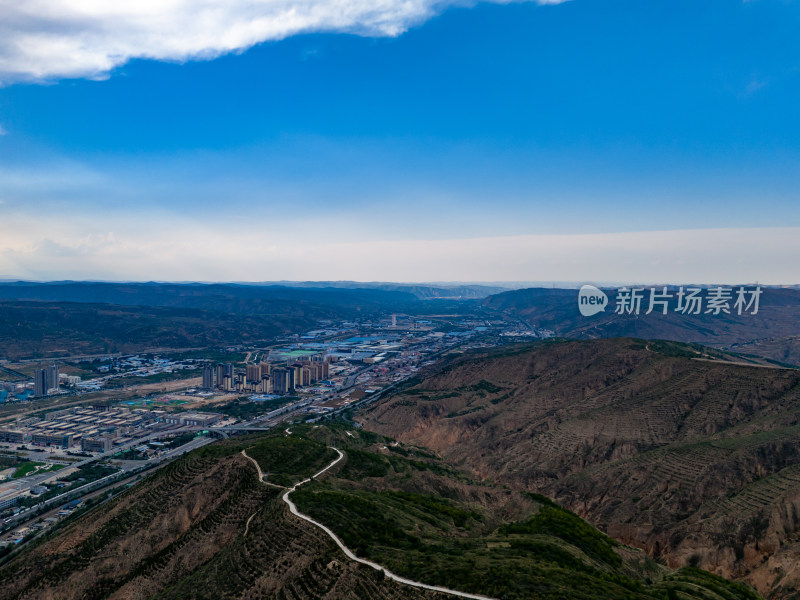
(157, 248)
(49, 39)
(3, 131)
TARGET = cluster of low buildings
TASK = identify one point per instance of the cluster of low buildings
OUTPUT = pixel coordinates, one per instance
(100, 428)
(19, 534)
(368, 349)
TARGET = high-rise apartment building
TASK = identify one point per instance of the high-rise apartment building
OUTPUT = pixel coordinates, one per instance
(282, 380)
(253, 373)
(297, 372)
(208, 378)
(225, 373)
(40, 382)
(52, 377)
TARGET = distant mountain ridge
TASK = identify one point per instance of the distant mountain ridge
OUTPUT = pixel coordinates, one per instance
(229, 298)
(36, 329)
(773, 333)
(423, 291)
(362, 294)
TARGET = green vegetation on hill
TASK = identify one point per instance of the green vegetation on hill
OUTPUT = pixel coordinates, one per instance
(203, 527)
(680, 449)
(555, 521)
(285, 460)
(361, 464)
(430, 524)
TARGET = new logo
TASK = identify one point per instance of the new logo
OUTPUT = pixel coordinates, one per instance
(591, 300)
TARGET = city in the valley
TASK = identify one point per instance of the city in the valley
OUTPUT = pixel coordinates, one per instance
(74, 427)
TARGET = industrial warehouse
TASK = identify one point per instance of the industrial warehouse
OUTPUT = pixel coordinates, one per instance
(99, 428)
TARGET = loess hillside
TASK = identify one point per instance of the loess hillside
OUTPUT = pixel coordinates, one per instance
(659, 444)
(202, 528)
(205, 527)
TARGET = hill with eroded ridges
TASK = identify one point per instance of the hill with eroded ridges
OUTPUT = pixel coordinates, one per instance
(205, 527)
(692, 458)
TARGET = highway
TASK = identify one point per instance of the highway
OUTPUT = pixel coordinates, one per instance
(26, 483)
(28, 513)
(33, 513)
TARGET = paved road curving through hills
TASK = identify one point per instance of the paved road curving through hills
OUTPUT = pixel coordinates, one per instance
(349, 553)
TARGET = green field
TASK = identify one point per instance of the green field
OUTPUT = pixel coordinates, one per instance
(25, 469)
(29, 467)
(245, 409)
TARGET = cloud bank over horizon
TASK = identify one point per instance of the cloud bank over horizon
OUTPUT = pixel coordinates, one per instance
(43, 40)
(153, 247)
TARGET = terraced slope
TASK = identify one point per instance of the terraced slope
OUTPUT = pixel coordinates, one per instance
(421, 519)
(206, 527)
(181, 534)
(692, 460)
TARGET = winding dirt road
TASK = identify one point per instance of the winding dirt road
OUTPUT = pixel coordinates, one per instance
(349, 553)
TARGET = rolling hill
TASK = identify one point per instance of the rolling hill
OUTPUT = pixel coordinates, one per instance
(205, 527)
(660, 444)
(228, 298)
(51, 329)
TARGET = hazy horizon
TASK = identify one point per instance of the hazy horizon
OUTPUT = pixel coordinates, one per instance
(499, 284)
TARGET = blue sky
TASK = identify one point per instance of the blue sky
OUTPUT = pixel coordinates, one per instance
(400, 146)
